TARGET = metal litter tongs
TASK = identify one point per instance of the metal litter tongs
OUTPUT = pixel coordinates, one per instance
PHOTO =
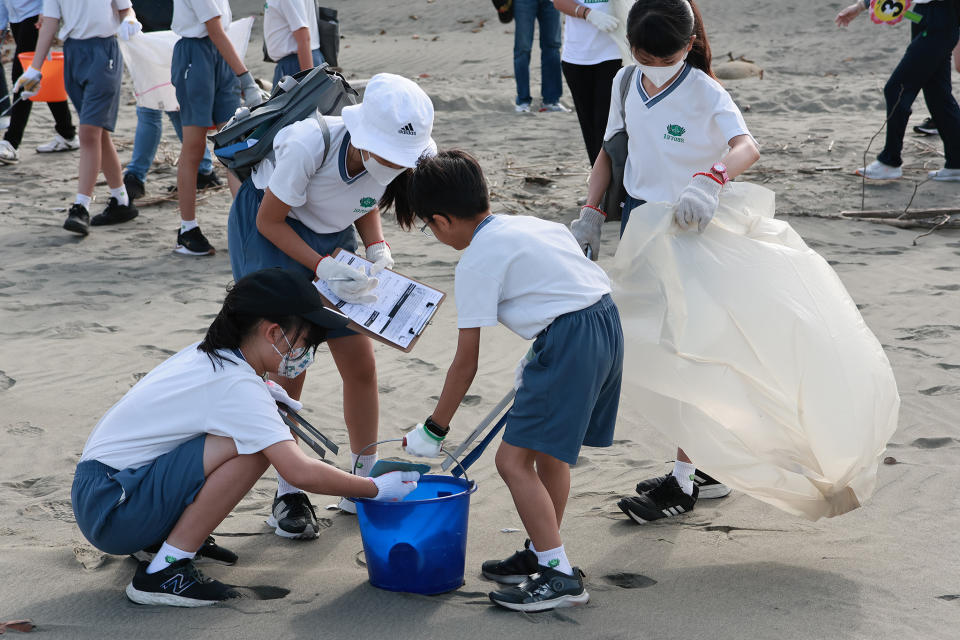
(306, 431)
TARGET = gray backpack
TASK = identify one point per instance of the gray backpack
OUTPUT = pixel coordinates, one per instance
(616, 148)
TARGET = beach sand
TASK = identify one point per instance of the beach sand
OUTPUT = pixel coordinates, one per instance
(84, 318)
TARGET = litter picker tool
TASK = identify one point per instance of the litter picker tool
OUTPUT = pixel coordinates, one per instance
(496, 411)
(478, 450)
(309, 433)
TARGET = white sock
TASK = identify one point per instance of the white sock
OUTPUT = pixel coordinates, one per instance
(84, 200)
(532, 548)
(364, 465)
(186, 225)
(284, 487)
(555, 559)
(683, 472)
(120, 193)
(167, 555)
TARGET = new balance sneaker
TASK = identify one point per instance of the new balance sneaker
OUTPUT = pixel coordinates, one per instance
(294, 517)
(549, 589)
(59, 143)
(8, 155)
(553, 107)
(928, 128)
(134, 185)
(523, 107)
(945, 175)
(179, 585)
(515, 569)
(876, 170)
(115, 213)
(193, 243)
(78, 219)
(665, 500)
(709, 487)
(209, 552)
(207, 180)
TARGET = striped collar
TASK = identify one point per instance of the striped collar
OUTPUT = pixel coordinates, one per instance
(650, 102)
(342, 161)
(482, 224)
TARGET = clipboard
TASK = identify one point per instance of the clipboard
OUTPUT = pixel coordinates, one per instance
(402, 312)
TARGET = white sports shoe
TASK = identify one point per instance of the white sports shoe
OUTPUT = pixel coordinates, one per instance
(876, 170)
(8, 155)
(523, 107)
(553, 107)
(945, 175)
(59, 143)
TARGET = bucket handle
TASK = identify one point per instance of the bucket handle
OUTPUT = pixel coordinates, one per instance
(442, 450)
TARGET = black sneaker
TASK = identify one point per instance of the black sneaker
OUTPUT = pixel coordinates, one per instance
(665, 500)
(549, 589)
(134, 185)
(207, 180)
(115, 213)
(709, 487)
(515, 569)
(928, 128)
(193, 243)
(179, 585)
(294, 517)
(78, 220)
(209, 552)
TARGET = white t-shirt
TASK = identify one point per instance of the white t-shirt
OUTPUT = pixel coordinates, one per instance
(281, 18)
(524, 272)
(682, 130)
(180, 399)
(86, 19)
(323, 197)
(583, 43)
(190, 16)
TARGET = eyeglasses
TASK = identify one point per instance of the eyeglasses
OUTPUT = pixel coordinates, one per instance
(294, 354)
(426, 230)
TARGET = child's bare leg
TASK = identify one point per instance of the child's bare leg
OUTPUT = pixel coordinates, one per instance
(536, 508)
(229, 477)
(110, 161)
(191, 153)
(682, 457)
(91, 146)
(555, 476)
(355, 361)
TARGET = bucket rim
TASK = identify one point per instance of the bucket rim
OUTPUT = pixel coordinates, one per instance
(471, 488)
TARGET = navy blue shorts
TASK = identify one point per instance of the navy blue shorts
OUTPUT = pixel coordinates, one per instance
(250, 251)
(121, 512)
(571, 388)
(290, 65)
(92, 73)
(207, 88)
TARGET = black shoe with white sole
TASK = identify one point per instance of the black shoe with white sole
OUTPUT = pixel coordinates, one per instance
(515, 569)
(179, 585)
(294, 517)
(665, 500)
(193, 243)
(549, 589)
(78, 219)
(709, 487)
(209, 552)
(928, 128)
(115, 213)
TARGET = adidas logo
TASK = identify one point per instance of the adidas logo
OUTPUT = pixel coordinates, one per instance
(407, 130)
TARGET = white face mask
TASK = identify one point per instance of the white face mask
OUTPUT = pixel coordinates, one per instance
(659, 76)
(381, 173)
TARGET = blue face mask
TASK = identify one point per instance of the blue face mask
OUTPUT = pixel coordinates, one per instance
(295, 361)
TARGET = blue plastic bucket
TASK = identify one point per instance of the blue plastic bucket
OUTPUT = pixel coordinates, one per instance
(418, 545)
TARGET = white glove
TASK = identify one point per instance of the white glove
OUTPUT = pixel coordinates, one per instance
(396, 485)
(602, 21)
(379, 254)
(28, 82)
(129, 28)
(422, 443)
(518, 372)
(586, 229)
(280, 395)
(250, 93)
(698, 202)
(356, 288)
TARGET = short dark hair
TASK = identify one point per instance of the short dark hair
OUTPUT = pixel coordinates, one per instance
(450, 183)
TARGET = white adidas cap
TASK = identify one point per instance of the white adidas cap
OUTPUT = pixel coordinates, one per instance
(394, 120)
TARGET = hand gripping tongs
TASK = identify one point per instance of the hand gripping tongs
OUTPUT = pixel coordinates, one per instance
(306, 431)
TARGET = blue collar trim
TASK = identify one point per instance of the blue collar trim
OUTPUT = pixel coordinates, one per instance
(343, 161)
(650, 102)
(482, 224)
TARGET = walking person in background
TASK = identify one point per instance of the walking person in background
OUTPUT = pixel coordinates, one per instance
(527, 13)
(291, 36)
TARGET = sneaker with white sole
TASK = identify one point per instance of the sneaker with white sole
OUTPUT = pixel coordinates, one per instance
(513, 570)
(945, 175)
(193, 243)
(59, 143)
(8, 155)
(708, 486)
(294, 517)
(666, 500)
(180, 584)
(927, 128)
(78, 219)
(549, 589)
(523, 107)
(553, 107)
(876, 170)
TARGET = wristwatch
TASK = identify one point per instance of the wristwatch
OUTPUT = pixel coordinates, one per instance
(438, 430)
(720, 170)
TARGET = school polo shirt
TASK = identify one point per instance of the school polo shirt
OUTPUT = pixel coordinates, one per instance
(682, 130)
(190, 16)
(281, 18)
(324, 197)
(87, 19)
(583, 43)
(524, 272)
(183, 397)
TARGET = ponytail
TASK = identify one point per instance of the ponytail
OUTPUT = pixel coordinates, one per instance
(396, 195)
(663, 27)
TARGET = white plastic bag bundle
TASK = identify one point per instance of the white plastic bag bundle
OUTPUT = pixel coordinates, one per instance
(148, 56)
(742, 346)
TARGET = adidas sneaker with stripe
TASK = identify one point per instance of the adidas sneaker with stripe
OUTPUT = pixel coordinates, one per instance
(708, 486)
(663, 501)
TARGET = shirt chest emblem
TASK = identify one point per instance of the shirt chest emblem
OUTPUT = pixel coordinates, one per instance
(674, 133)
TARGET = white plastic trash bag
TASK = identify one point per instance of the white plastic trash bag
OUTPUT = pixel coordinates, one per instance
(743, 347)
(148, 56)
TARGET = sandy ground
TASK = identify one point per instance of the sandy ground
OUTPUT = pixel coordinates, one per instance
(84, 319)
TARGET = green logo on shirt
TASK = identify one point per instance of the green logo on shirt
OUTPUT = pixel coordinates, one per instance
(674, 132)
(367, 202)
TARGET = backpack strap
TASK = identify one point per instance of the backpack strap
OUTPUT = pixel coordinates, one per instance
(325, 131)
(624, 89)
